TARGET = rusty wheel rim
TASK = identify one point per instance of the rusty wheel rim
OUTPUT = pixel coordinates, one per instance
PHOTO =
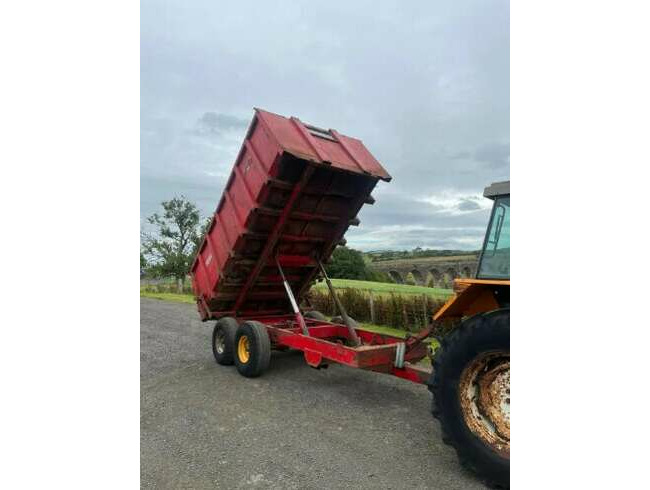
(485, 399)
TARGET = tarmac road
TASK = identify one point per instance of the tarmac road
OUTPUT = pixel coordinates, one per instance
(204, 426)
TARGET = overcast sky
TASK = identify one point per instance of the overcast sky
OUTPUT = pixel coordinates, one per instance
(425, 86)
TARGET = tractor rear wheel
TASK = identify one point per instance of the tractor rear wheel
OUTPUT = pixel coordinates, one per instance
(223, 340)
(252, 349)
(471, 394)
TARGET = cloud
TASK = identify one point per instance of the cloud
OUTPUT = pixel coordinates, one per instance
(425, 85)
(400, 221)
(468, 204)
(216, 124)
(178, 159)
(496, 155)
(457, 203)
(398, 237)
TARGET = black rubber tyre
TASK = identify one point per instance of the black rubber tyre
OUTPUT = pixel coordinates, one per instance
(316, 315)
(223, 340)
(339, 319)
(474, 339)
(252, 349)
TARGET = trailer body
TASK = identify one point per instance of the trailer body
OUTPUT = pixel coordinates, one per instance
(293, 192)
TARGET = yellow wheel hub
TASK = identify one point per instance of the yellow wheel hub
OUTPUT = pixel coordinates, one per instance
(243, 349)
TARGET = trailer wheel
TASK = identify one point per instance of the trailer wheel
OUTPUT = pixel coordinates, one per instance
(252, 349)
(471, 394)
(223, 340)
(316, 315)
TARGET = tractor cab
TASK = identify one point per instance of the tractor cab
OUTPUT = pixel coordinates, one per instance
(494, 262)
(490, 289)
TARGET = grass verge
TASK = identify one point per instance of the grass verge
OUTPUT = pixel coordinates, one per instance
(179, 298)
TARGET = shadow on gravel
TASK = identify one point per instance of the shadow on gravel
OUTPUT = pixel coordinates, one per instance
(360, 389)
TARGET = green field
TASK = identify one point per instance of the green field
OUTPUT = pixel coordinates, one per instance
(385, 288)
(375, 287)
(180, 298)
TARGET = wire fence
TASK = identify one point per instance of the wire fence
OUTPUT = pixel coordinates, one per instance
(165, 285)
(407, 312)
(410, 312)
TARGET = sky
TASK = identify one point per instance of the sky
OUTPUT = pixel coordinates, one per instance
(425, 86)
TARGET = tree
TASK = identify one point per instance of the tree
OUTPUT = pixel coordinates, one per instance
(202, 231)
(347, 263)
(170, 250)
(143, 263)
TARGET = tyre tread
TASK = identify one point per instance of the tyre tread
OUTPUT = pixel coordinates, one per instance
(260, 354)
(471, 329)
(229, 325)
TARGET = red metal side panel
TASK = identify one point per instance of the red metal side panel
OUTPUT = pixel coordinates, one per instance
(292, 192)
(264, 145)
(227, 223)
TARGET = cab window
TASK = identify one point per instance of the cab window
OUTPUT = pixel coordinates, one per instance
(495, 257)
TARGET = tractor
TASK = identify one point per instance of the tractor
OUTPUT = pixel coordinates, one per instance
(470, 381)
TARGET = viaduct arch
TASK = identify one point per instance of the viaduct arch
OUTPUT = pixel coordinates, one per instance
(432, 271)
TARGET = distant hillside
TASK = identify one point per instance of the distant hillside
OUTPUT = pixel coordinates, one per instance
(419, 253)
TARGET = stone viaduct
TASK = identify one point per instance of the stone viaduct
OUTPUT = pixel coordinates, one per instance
(430, 271)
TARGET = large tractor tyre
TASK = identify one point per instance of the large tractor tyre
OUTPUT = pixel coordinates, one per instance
(316, 315)
(252, 349)
(223, 340)
(471, 394)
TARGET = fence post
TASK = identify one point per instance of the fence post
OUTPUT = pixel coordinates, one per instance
(371, 301)
(425, 308)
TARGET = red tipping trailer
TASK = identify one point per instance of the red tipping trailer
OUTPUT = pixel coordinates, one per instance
(292, 194)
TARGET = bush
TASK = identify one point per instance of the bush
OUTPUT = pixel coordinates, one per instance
(378, 276)
(347, 263)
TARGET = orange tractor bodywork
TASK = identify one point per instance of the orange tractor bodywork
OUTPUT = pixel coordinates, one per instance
(472, 296)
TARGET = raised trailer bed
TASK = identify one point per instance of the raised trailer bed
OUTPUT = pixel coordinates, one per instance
(293, 192)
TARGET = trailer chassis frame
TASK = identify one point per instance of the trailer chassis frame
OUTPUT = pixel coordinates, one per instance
(322, 342)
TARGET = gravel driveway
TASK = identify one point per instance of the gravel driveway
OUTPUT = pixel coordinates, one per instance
(204, 426)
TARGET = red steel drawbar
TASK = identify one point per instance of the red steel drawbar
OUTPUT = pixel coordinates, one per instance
(292, 194)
